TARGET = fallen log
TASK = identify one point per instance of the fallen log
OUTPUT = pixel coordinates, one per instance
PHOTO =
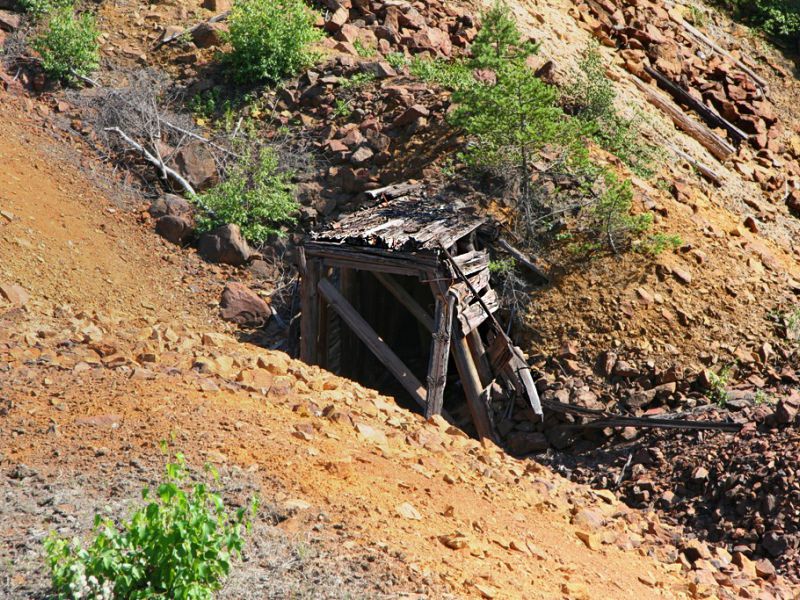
(524, 261)
(215, 19)
(716, 145)
(709, 115)
(702, 168)
(605, 419)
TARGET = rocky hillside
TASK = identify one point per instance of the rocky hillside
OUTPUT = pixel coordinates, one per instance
(362, 497)
(103, 320)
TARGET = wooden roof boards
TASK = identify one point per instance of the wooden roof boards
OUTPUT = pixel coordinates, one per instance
(410, 223)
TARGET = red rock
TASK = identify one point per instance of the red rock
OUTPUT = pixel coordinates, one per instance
(197, 165)
(243, 306)
(175, 229)
(339, 17)
(209, 35)
(9, 21)
(410, 115)
(224, 244)
(217, 6)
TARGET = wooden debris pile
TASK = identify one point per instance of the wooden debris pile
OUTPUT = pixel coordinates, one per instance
(424, 252)
(722, 90)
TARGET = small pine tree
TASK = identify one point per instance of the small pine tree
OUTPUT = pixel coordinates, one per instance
(499, 41)
(511, 119)
(611, 218)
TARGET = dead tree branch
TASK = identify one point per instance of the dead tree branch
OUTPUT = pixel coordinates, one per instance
(159, 164)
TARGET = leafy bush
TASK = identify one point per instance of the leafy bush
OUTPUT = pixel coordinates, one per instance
(68, 45)
(357, 80)
(777, 18)
(655, 244)
(454, 76)
(270, 39)
(397, 60)
(39, 8)
(256, 196)
(179, 545)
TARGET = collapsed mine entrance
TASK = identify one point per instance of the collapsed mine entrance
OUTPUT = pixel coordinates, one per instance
(393, 291)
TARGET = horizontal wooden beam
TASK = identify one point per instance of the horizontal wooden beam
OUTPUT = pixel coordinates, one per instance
(373, 341)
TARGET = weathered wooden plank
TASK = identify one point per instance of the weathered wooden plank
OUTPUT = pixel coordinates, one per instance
(472, 262)
(348, 286)
(475, 314)
(373, 341)
(372, 259)
(393, 191)
(716, 145)
(440, 353)
(479, 281)
(323, 319)
(525, 261)
(523, 372)
(406, 299)
(500, 353)
(309, 307)
(717, 48)
(470, 381)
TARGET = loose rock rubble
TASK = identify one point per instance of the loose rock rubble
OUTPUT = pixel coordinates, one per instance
(655, 34)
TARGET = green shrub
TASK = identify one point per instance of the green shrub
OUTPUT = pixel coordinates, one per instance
(453, 76)
(655, 244)
(777, 18)
(397, 60)
(255, 195)
(718, 383)
(68, 45)
(357, 80)
(180, 545)
(38, 8)
(270, 39)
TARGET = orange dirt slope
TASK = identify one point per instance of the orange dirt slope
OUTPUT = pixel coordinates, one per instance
(138, 358)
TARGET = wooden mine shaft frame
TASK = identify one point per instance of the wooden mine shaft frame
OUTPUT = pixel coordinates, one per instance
(453, 327)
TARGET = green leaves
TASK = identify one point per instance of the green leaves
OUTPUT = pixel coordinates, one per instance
(256, 196)
(178, 546)
(270, 39)
(778, 18)
(68, 44)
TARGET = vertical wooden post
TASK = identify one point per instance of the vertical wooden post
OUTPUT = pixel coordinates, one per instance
(440, 352)
(349, 346)
(309, 307)
(322, 327)
(478, 351)
(471, 382)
